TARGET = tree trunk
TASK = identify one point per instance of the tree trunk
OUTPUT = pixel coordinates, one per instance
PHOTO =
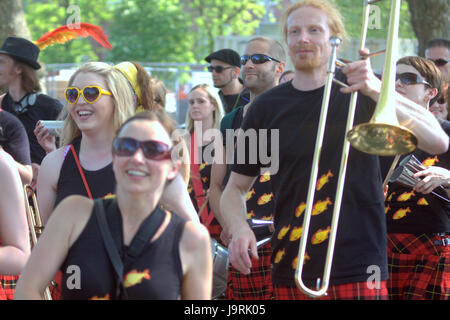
(12, 20)
(429, 19)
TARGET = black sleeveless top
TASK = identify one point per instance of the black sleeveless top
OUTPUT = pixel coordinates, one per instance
(156, 274)
(101, 182)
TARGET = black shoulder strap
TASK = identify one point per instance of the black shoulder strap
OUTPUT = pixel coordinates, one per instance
(109, 245)
(145, 232)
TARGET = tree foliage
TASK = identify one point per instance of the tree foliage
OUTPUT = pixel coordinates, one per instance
(214, 18)
(151, 31)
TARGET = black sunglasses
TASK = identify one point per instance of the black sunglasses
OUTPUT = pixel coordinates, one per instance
(217, 69)
(152, 149)
(440, 62)
(257, 58)
(409, 78)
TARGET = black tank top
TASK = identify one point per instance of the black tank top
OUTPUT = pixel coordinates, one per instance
(157, 274)
(101, 182)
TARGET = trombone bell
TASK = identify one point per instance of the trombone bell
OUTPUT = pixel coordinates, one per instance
(383, 135)
(382, 139)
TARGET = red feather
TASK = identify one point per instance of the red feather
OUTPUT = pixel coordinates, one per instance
(71, 31)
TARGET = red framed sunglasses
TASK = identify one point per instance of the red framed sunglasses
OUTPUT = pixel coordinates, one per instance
(152, 149)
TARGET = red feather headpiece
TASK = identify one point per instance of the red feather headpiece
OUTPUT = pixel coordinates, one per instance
(71, 31)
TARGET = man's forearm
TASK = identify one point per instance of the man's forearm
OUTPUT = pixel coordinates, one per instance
(232, 204)
(431, 138)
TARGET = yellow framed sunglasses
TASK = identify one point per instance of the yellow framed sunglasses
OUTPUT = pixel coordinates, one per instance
(90, 94)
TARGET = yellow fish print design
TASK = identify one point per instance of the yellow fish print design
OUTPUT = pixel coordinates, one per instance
(295, 234)
(250, 214)
(428, 162)
(280, 254)
(265, 198)
(401, 213)
(320, 236)
(300, 209)
(135, 277)
(422, 202)
(294, 262)
(390, 196)
(250, 194)
(405, 196)
(320, 206)
(283, 232)
(265, 177)
(109, 196)
(323, 180)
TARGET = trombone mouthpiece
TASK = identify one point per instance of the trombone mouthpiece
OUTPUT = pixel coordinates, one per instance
(335, 41)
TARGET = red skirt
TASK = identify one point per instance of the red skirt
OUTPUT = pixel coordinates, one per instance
(255, 286)
(7, 286)
(347, 291)
(419, 267)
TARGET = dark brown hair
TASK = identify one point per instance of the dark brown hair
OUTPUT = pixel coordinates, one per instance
(428, 70)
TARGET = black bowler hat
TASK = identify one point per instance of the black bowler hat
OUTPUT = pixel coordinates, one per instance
(226, 55)
(21, 50)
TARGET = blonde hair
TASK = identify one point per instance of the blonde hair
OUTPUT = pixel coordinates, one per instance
(122, 97)
(335, 20)
(214, 98)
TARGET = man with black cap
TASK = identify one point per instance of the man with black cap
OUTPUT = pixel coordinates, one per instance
(18, 65)
(225, 68)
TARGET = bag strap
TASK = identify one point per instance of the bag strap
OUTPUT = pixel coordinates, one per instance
(205, 216)
(110, 246)
(144, 234)
(77, 161)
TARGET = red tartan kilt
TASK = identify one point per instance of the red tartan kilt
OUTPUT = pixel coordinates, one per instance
(255, 286)
(215, 230)
(346, 291)
(419, 268)
(7, 286)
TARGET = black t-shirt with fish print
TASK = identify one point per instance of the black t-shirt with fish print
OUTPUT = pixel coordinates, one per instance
(412, 212)
(361, 237)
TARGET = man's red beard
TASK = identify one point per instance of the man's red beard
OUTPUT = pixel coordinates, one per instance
(305, 61)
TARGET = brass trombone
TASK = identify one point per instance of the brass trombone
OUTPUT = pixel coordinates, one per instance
(382, 135)
(34, 222)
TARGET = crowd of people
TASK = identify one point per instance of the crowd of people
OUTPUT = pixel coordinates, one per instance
(139, 207)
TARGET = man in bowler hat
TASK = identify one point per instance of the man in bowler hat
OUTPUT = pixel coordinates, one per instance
(18, 65)
(225, 66)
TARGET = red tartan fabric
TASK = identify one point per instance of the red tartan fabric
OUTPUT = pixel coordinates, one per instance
(7, 286)
(419, 267)
(347, 291)
(215, 230)
(255, 286)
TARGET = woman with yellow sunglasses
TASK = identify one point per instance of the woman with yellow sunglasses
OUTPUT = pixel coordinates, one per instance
(99, 99)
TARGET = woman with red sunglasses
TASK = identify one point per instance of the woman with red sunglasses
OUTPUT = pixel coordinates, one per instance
(418, 222)
(125, 247)
(99, 99)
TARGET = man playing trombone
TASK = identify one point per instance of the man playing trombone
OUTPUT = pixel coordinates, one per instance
(360, 248)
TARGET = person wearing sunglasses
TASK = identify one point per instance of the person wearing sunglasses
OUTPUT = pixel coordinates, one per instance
(160, 256)
(262, 66)
(418, 223)
(438, 51)
(14, 233)
(225, 67)
(204, 114)
(18, 74)
(294, 108)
